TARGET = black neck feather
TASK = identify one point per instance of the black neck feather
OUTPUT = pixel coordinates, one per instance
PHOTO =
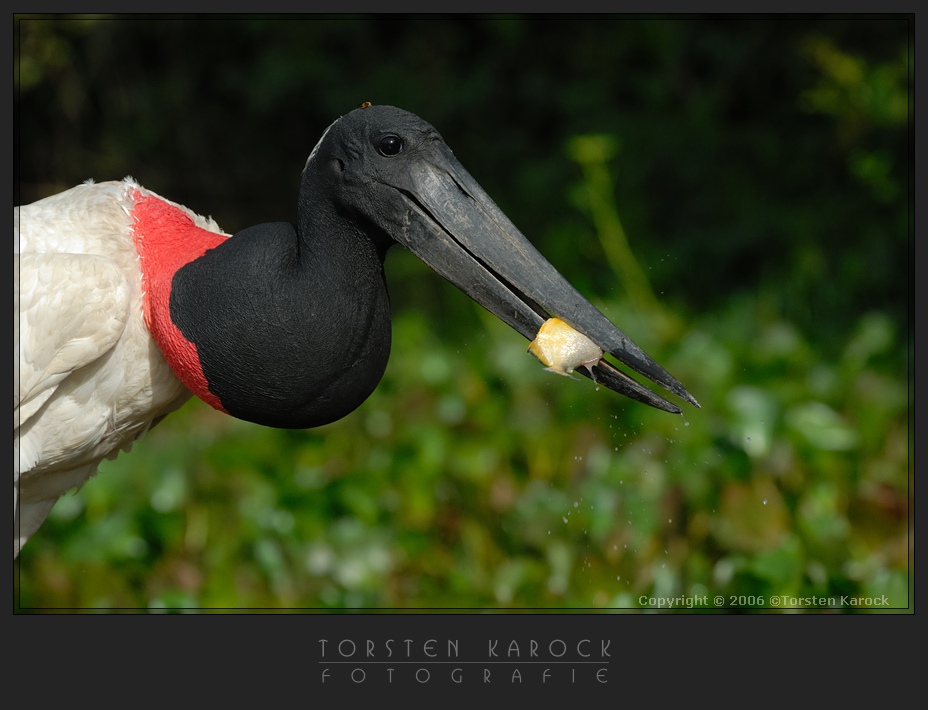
(292, 327)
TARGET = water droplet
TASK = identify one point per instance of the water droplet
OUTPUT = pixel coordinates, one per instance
(565, 520)
(765, 501)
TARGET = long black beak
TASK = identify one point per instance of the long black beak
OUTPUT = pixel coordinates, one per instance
(466, 238)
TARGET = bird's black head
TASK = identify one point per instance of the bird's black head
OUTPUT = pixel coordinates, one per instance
(363, 144)
(364, 168)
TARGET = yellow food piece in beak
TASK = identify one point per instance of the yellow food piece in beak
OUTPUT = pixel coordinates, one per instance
(563, 349)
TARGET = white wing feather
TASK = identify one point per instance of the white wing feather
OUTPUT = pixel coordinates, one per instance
(89, 378)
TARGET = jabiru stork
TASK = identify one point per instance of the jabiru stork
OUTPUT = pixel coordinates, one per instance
(127, 303)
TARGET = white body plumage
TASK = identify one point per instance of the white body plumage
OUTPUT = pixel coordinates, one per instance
(89, 378)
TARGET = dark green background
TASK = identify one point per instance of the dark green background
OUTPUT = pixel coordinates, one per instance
(758, 169)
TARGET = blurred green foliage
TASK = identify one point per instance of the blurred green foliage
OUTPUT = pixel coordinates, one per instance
(734, 193)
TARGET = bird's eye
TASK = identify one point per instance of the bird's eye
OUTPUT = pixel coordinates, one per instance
(390, 145)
